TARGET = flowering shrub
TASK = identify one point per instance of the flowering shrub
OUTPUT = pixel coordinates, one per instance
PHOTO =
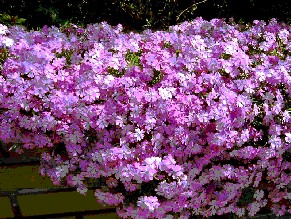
(194, 121)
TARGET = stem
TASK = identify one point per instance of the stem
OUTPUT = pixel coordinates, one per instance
(194, 5)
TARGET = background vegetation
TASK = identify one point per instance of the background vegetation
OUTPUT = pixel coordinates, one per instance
(138, 14)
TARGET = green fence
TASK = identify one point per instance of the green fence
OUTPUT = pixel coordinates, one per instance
(25, 193)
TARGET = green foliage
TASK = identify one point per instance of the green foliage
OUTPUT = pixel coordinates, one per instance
(156, 15)
(52, 12)
(4, 54)
(162, 14)
(158, 76)
(115, 72)
(178, 52)
(55, 16)
(242, 76)
(247, 196)
(67, 54)
(226, 56)
(167, 45)
(11, 20)
(133, 58)
(113, 51)
(40, 13)
(138, 15)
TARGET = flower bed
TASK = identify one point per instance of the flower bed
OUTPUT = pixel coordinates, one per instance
(194, 121)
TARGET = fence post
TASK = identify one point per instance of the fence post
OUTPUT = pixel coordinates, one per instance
(14, 205)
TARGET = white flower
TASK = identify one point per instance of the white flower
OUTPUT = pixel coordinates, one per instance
(288, 196)
(229, 171)
(7, 41)
(253, 208)
(259, 194)
(120, 120)
(261, 75)
(76, 180)
(148, 202)
(3, 29)
(166, 93)
(139, 134)
(108, 79)
(288, 137)
(242, 101)
(240, 212)
(229, 49)
(153, 162)
(82, 191)
(62, 170)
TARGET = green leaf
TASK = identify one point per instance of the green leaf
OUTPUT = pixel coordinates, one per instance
(240, 21)
(6, 17)
(226, 56)
(133, 58)
(167, 45)
(20, 20)
(178, 52)
(115, 72)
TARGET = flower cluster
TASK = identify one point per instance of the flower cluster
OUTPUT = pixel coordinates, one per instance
(4, 40)
(192, 121)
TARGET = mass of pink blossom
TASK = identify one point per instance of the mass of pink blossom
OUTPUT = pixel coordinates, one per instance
(191, 121)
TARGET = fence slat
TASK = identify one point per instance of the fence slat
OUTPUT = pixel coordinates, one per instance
(78, 214)
(17, 211)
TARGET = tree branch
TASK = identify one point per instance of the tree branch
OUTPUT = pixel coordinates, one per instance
(194, 5)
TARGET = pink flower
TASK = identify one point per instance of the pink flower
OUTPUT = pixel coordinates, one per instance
(200, 111)
(148, 202)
